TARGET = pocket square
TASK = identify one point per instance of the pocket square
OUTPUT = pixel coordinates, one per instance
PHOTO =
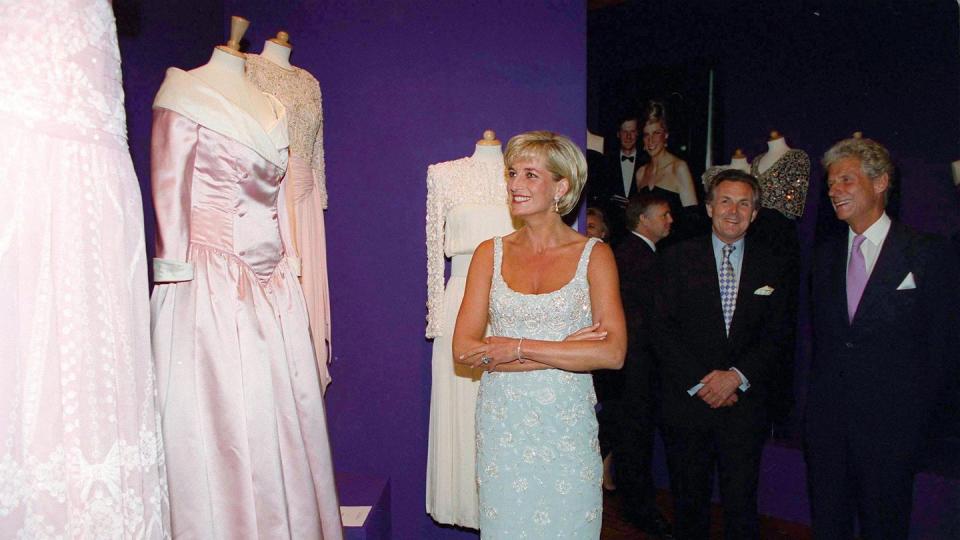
(766, 290)
(907, 283)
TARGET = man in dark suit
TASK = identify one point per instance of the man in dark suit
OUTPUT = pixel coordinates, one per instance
(614, 184)
(885, 326)
(648, 221)
(722, 325)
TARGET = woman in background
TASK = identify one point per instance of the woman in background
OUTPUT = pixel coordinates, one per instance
(666, 174)
(551, 299)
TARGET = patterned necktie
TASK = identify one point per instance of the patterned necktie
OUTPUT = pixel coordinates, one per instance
(728, 286)
(856, 275)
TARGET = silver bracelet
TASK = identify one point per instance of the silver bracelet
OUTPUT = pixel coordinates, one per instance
(519, 352)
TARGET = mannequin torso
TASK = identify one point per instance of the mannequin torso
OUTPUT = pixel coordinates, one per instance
(776, 148)
(488, 152)
(740, 164)
(224, 73)
(278, 54)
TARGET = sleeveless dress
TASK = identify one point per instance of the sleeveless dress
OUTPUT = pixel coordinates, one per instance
(80, 449)
(538, 459)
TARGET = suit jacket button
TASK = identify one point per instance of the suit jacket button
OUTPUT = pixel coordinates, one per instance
(848, 345)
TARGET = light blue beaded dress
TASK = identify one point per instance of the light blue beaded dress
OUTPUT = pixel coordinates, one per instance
(538, 459)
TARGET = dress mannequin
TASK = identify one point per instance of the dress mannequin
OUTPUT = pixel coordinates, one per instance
(224, 73)
(306, 193)
(466, 204)
(784, 176)
(277, 50)
(738, 161)
(776, 148)
(244, 426)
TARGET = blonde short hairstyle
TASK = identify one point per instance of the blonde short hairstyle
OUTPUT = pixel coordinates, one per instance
(563, 159)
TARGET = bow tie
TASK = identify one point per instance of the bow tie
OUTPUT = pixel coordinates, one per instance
(626, 158)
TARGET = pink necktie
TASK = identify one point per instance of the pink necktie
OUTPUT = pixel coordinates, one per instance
(856, 276)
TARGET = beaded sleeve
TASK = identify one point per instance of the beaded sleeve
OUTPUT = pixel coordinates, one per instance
(435, 222)
(318, 162)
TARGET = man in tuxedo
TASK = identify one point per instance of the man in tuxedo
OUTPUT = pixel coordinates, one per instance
(648, 221)
(722, 325)
(614, 184)
(885, 326)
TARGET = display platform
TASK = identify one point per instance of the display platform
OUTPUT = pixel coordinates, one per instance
(364, 506)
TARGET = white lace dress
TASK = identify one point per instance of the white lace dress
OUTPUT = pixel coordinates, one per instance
(80, 446)
(305, 187)
(466, 204)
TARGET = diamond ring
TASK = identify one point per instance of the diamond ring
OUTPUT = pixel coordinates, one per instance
(485, 360)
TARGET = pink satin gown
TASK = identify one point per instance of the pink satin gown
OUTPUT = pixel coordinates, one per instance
(243, 415)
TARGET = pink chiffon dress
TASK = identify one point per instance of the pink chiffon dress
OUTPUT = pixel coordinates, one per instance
(80, 445)
(243, 416)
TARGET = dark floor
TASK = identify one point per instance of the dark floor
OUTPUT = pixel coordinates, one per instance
(616, 528)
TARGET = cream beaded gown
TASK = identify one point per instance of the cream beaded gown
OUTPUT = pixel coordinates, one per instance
(80, 446)
(466, 204)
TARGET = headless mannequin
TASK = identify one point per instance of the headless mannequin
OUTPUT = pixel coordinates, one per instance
(739, 161)
(277, 50)
(488, 148)
(224, 73)
(776, 148)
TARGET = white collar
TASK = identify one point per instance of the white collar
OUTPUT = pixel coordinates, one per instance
(649, 242)
(875, 233)
(189, 96)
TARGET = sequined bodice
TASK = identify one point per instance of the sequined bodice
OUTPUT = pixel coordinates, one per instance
(784, 185)
(550, 316)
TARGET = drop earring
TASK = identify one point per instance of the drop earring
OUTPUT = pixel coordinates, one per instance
(556, 204)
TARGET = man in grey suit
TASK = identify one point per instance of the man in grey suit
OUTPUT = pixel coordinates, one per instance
(885, 325)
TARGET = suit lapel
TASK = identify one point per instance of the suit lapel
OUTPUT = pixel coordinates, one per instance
(708, 266)
(889, 270)
(749, 276)
(838, 279)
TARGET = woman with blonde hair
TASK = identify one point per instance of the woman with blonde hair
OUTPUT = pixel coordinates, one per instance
(551, 299)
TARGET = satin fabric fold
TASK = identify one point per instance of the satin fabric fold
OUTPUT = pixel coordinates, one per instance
(246, 439)
(311, 241)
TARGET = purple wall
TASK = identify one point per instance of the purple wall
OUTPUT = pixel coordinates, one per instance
(404, 86)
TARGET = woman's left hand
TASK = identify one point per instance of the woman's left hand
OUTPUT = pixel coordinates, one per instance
(495, 350)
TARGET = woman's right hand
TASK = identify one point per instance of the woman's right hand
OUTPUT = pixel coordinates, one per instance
(589, 333)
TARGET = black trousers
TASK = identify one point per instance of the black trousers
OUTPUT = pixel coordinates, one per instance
(733, 449)
(634, 460)
(865, 479)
